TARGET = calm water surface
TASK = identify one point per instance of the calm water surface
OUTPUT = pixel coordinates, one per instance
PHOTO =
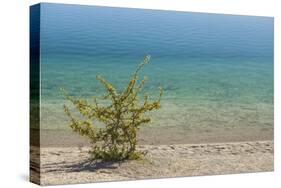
(216, 70)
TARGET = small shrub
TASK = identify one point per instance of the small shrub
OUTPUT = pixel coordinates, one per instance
(121, 118)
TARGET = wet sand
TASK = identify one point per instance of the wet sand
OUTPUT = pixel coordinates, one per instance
(162, 136)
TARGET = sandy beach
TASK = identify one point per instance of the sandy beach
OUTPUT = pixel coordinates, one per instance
(214, 113)
(61, 165)
(165, 135)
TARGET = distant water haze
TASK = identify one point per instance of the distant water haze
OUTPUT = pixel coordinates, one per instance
(216, 70)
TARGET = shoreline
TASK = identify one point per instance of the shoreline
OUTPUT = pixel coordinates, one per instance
(161, 136)
(61, 165)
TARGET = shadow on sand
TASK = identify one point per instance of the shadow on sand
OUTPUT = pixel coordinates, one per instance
(86, 165)
(92, 166)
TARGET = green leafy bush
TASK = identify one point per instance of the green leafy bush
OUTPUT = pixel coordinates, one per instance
(121, 118)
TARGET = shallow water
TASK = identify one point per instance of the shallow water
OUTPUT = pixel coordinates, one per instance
(216, 70)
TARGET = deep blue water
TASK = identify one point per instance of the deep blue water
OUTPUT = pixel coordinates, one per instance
(213, 67)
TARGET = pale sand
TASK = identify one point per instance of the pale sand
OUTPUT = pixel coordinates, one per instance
(66, 165)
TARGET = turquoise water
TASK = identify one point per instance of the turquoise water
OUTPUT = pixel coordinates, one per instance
(216, 70)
